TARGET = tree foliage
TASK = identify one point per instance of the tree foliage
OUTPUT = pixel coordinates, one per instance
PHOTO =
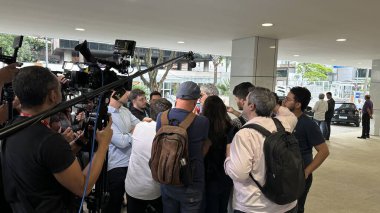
(224, 87)
(32, 48)
(313, 72)
(152, 83)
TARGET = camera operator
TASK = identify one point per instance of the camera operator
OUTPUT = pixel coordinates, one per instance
(6, 76)
(39, 167)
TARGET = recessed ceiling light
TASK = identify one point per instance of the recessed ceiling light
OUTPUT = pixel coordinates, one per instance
(272, 47)
(267, 25)
(79, 29)
(180, 42)
(341, 39)
(296, 55)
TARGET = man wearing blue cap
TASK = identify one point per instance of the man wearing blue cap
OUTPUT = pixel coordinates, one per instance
(187, 198)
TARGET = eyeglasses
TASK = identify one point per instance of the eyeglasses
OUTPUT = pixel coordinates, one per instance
(288, 99)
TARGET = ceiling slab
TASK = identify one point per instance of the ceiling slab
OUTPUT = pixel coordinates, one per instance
(305, 28)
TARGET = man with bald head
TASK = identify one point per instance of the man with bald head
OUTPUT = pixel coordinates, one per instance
(187, 198)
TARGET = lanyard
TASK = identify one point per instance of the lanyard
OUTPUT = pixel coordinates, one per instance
(23, 114)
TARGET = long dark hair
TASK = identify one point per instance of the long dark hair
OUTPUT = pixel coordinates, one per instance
(215, 110)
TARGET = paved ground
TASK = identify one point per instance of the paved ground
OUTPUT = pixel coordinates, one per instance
(349, 180)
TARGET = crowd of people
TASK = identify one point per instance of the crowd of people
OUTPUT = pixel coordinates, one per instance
(44, 170)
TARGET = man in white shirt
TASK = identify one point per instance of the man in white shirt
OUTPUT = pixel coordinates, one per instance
(142, 191)
(120, 147)
(320, 109)
(245, 155)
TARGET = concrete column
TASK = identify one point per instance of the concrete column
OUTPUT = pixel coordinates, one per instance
(253, 59)
(206, 66)
(375, 97)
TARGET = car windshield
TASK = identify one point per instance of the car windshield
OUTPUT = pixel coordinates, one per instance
(345, 106)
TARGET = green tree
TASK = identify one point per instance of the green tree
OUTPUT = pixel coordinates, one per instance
(32, 48)
(313, 72)
(224, 87)
(142, 87)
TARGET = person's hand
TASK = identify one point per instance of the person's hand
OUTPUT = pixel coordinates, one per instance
(81, 116)
(3, 113)
(230, 109)
(79, 134)
(62, 79)
(104, 136)
(146, 119)
(307, 173)
(68, 134)
(233, 111)
(8, 73)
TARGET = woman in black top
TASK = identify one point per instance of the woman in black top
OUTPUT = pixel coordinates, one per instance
(218, 184)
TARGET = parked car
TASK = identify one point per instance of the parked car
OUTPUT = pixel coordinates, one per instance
(346, 113)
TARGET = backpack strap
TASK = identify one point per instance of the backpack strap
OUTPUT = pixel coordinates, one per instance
(188, 120)
(265, 133)
(279, 126)
(257, 183)
(164, 118)
(242, 120)
(258, 128)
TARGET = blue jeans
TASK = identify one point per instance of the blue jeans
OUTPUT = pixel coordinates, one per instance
(323, 127)
(181, 199)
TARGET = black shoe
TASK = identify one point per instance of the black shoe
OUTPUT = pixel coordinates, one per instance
(361, 137)
(367, 136)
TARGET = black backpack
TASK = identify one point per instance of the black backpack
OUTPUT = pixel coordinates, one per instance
(285, 176)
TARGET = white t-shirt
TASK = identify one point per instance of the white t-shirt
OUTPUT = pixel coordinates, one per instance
(139, 182)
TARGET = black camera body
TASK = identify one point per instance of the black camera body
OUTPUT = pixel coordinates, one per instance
(91, 76)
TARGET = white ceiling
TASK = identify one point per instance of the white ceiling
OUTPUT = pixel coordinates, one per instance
(307, 28)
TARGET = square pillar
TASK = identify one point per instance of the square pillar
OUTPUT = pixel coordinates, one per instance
(253, 59)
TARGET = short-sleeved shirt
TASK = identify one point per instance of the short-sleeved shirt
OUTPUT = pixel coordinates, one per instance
(308, 135)
(197, 133)
(32, 156)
